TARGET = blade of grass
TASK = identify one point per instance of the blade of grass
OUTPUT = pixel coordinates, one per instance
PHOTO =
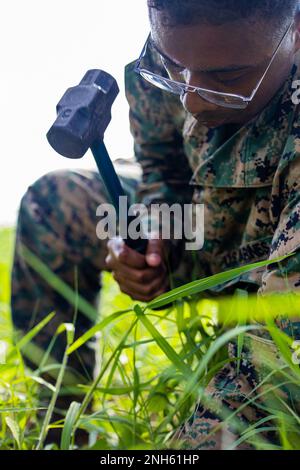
(162, 343)
(194, 376)
(201, 285)
(68, 426)
(93, 387)
(69, 329)
(34, 331)
(15, 430)
(95, 329)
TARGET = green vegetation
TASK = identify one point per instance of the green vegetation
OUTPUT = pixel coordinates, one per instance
(153, 366)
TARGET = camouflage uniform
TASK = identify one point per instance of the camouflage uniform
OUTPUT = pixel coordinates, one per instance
(249, 183)
(248, 180)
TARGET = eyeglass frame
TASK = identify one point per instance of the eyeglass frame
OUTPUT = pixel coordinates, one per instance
(193, 89)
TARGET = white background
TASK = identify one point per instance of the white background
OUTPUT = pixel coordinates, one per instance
(46, 47)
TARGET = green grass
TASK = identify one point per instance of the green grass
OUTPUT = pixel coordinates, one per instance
(153, 366)
(6, 242)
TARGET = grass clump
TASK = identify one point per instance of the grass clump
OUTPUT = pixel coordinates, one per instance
(153, 366)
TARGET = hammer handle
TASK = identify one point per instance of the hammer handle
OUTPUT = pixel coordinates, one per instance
(114, 187)
(115, 190)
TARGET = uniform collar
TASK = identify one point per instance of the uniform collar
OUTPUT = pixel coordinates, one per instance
(250, 157)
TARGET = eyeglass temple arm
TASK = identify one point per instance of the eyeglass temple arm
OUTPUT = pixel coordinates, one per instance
(270, 64)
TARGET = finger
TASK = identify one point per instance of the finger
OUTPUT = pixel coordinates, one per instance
(110, 262)
(147, 289)
(140, 276)
(135, 295)
(163, 289)
(132, 258)
(120, 253)
(154, 253)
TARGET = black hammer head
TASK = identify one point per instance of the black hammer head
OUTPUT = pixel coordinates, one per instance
(84, 113)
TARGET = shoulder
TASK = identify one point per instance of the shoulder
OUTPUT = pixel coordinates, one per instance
(134, 81)
(143, 96)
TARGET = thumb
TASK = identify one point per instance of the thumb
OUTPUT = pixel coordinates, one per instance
(154, 253)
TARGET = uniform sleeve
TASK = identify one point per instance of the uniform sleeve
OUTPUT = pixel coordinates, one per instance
(156, 121)
(285, 276)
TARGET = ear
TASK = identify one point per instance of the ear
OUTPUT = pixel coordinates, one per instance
(297, 32)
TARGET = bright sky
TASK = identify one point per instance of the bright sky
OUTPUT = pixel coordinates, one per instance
(47, 46)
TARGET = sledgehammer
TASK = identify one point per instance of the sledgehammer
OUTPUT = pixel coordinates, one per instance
(84, 113)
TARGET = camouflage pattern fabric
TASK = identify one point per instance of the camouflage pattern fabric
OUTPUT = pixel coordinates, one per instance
(57, 222)
(218, 421)
(248, 180)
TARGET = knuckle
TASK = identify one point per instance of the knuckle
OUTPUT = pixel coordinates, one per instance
(158, 287)
(149, 286)
(146, 289)
(141, 276)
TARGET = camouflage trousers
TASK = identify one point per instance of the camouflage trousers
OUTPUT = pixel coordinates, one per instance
(57, 223)
(232, 403)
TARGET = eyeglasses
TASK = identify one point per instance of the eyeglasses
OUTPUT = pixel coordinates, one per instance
(227, 100)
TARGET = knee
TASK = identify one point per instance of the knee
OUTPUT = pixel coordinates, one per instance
(62, 190)
(49, 185)
(44, 187)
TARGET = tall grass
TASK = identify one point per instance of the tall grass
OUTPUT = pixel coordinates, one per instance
(153, 366)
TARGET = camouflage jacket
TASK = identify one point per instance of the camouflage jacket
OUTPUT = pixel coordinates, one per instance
(249, 182)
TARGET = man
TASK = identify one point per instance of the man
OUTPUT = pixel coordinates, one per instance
(229, 127)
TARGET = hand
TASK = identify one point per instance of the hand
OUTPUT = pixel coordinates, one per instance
(142, 277)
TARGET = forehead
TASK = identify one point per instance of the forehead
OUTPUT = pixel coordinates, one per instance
(203, 46)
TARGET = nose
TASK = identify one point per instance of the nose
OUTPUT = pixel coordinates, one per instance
(192, 101)
(194, 104)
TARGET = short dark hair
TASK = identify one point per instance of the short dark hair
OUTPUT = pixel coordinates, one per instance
(184, 12)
